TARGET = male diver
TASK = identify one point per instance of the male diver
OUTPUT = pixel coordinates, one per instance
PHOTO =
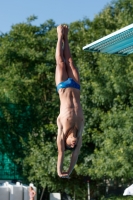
(70, 121)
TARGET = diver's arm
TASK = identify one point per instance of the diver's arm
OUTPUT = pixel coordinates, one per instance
(75, 155)
(60, 145)
(61, 148)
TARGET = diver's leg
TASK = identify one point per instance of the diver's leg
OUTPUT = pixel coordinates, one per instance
(70, 67)
(61, 73)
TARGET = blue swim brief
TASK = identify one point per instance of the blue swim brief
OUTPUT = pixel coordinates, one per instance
(68, 83)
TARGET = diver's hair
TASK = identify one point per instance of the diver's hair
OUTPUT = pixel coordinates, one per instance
(70, 132)
(70, 148)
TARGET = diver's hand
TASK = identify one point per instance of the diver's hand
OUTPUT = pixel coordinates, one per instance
(64, 175)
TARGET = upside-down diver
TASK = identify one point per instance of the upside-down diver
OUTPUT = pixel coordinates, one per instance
(70, 121)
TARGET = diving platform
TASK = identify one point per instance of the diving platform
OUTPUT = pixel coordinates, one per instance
(119, 42)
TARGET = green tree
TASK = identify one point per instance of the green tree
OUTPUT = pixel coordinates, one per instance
(27, 90)
(107, 99)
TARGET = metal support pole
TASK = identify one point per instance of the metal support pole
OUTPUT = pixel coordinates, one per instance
(42, 193)
(88, 186)
(74, 195)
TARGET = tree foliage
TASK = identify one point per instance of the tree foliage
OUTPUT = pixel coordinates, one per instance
(107, 100)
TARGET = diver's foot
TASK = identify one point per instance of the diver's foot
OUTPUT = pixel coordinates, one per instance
(60, 31)
(65, 31)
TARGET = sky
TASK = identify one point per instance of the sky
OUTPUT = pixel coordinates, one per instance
(61, 11)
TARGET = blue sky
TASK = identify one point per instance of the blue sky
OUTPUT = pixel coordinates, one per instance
(61, 11)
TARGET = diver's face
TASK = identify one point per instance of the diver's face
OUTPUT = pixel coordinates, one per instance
(71, 140)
